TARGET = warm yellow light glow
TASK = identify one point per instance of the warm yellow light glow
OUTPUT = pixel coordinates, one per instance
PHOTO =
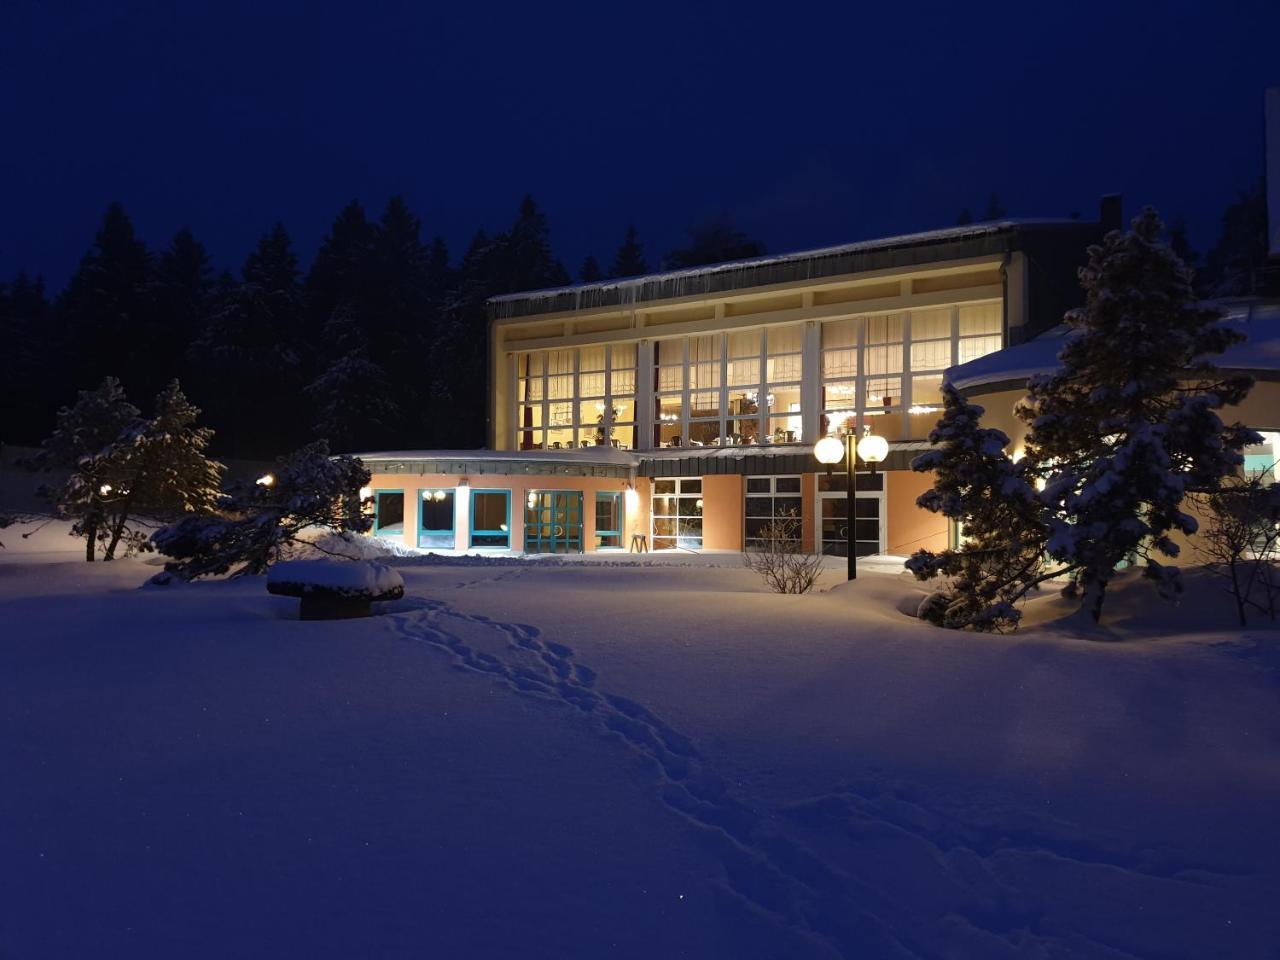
(873, 449)
(632, 498)
(699, 503)
(828, 450)
(532, 500)
(104, 489)
(438, 495)
(1019, 453)
(266, 480)
(366, 493)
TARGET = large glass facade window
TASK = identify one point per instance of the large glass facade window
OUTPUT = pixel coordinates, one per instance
(886, 371)
(784, 365)
(676, 514)
(491, 518)
(436, 520)
(770, 499)
(577, 397)
(747, 386)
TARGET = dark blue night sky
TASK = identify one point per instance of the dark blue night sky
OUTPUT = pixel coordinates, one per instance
(812, 124)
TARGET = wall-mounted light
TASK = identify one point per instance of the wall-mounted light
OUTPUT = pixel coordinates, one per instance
(366, 493)
(104, 489)
(266, 480)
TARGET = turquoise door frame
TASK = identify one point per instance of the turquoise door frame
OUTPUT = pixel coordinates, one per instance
(553, 521)
(377, 509)
(614, 533)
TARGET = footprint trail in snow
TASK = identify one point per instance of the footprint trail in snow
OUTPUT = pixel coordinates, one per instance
(767, 870)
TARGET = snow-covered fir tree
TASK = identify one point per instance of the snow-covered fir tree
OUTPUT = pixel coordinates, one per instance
(976, 484)
(257, 521)
(161, 471)
(1128, 425)
(91, 441)
(354, 398)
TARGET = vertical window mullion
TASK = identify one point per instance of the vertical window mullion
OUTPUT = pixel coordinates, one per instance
(762, 385)
(575, 414)
(607, 422)
(684, 397)
(860, 383)
(723, 387)
(903, 416)
(546, 398)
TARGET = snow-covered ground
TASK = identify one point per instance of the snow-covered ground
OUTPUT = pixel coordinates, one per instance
(625, 759)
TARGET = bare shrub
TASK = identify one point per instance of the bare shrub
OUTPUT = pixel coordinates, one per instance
(781, 558)
(1241, 542)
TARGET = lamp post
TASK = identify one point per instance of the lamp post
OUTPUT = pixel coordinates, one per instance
(873, 450)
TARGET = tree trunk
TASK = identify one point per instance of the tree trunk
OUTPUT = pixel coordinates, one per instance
(91, 535)
(117, 531)
(1095, 590)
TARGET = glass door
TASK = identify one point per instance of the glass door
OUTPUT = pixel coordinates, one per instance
(553, 521)
(608, 520)
(833, 514)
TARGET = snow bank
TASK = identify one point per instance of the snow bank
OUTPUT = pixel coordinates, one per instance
(357, 577)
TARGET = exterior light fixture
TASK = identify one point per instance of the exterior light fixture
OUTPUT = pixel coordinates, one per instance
(438, 495)
(631, 496)
(828, 451)
(266, 480)
(873, 449)
(104, 489)
(366, 493)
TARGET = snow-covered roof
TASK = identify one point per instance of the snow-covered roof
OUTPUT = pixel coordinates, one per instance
(1259, 321)
(584, 455)
(673, 282)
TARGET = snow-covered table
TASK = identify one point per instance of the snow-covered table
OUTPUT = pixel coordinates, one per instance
(335, 589)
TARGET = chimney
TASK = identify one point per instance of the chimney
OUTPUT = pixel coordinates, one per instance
(1111, 212)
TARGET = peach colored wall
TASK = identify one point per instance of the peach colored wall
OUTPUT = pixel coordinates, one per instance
(413, 484)
(638, 518)
(723, 503)
(808, 510)
(907, 527)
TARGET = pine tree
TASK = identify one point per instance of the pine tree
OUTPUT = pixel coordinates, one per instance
(354, 398)
(251, 358)
(161, 471)
(629, 260)
(1128, 426)
(31, 364)
(107, 308)
(1237, 264)
(258, 522)
(715, 241)
(184, 285)
(978, 486)
(590, 271)
(91, 442)
(342, 270)
(995, 209)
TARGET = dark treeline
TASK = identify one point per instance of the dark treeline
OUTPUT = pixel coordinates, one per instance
(380, 342)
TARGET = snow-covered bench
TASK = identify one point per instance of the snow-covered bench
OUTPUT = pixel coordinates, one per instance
(334, 589)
